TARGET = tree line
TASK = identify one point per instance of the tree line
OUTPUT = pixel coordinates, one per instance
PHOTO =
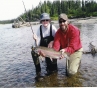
(73, 8)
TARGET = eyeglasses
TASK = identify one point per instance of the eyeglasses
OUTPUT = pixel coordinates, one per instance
(45, 20)
(60, 21)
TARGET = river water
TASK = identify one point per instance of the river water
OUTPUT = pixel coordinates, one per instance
(17, 67)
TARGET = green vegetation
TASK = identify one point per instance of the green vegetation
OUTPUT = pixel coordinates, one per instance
(6, 21)
(73, 8)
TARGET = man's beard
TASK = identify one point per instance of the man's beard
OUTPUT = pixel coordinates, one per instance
(63, 28)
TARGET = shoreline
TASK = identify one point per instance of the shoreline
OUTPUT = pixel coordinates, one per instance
(87, 20)
(92, 20)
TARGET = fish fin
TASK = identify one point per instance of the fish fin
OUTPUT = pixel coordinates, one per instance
(66, 56)
(41, 58)
(51, 59)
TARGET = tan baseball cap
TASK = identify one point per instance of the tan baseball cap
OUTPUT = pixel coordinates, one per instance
(63, 16)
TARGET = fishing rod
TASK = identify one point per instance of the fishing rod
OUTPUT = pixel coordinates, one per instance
(29, 23)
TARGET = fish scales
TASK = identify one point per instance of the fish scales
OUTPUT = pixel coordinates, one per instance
(50, 52)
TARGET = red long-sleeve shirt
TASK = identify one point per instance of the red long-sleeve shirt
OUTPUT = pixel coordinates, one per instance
(70, 40)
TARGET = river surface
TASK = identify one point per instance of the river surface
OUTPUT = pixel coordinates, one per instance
(17, 67)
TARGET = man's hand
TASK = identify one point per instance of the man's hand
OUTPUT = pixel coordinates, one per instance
(35, 37)
(50, 45)
(62, 53)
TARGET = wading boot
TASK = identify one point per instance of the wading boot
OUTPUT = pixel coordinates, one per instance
(48, 73)
(39, 77)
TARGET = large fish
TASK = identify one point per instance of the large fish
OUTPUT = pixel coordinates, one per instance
(49, 52)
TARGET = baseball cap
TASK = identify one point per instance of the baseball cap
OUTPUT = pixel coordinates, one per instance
(63, 16)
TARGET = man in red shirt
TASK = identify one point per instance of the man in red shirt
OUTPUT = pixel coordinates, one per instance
(67, 40)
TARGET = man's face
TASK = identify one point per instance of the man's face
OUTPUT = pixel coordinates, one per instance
(63, 24)
(45, 22)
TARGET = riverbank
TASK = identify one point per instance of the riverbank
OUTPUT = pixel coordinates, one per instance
(91, 20)
(86, 20)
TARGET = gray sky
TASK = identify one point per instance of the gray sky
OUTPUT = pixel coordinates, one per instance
(10, 9)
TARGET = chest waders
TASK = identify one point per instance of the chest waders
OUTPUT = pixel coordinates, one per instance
(50, 65)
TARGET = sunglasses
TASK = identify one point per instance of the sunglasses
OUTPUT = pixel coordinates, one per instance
(60, 21)
(45, 20)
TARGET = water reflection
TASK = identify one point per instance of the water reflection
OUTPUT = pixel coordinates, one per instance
(17, 67)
